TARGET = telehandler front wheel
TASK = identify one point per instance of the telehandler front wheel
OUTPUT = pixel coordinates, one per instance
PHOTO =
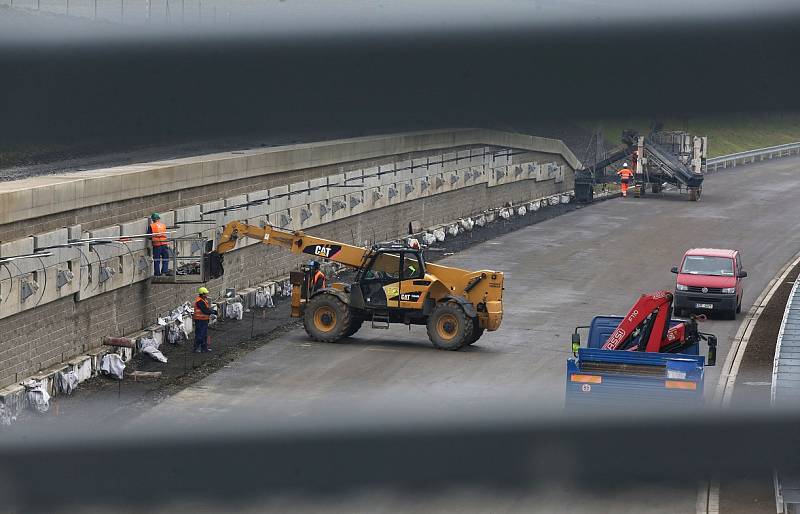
(449, 328)
(326, 318)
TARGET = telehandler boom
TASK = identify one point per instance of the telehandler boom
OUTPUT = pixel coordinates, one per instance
(393, 284)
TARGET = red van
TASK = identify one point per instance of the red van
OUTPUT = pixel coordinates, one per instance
(709, 280)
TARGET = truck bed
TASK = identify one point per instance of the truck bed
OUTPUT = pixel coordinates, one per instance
(603, 378)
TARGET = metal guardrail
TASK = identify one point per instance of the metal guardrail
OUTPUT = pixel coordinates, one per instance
(751, 156)
(785, 391)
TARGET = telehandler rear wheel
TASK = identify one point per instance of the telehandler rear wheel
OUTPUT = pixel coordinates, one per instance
(326, 318)
(449, 328)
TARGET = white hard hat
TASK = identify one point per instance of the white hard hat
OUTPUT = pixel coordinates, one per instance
(624, 163)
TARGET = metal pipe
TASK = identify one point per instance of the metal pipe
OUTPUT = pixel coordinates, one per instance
(123, 342)
(25, 256)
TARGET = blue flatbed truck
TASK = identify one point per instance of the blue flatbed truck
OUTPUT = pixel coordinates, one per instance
(598, 377)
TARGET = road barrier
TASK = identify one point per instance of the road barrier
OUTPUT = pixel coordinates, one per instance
(751, 156)
(786, 391)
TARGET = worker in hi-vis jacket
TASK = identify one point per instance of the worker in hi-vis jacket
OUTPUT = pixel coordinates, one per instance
(625, 176)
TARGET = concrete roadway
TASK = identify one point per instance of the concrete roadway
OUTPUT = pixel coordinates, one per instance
(559, 273)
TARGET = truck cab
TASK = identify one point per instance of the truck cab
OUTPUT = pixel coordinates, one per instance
(709, 280)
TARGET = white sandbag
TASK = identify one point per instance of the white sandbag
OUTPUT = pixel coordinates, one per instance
(534, 206)
(466, 224)
(554, 200)
(36, 394)
(480, 221)
(412, 242)
(522, 211)
(175, 334)
(150, 346)
(491, 216)
(67, 382)
(452, 230)
(428, 238)
(505, 213)
(234, 310)
(439, 234)
(6, 416)
(263, 298)
(83, 370)
(565, 198)
(112, 365)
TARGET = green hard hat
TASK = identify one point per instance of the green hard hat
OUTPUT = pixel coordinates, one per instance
(202, 290)
(155, 216)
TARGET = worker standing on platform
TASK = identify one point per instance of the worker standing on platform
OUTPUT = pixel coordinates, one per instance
(160, 245)
(317, 278)
(200, 318)
(625, 175)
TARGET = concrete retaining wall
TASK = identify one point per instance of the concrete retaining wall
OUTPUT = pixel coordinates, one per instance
(362, 190)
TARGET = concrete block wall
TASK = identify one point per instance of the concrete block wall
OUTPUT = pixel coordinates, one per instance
(355, 201)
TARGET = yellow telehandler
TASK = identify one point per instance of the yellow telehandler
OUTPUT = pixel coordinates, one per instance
(393, 284)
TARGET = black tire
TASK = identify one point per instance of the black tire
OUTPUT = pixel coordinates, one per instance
(449, 328)
(477, 332)
(355, 325)
(731, 314)
(739, 306)
(326, 318)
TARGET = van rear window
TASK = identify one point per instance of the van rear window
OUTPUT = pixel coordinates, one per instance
(702, 265)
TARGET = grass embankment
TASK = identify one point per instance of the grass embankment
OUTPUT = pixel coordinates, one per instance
(727, 133)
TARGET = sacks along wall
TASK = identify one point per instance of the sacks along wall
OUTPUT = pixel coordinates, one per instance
(422, 179)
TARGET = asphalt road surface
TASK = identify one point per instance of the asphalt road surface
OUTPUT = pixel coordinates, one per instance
(559, 274)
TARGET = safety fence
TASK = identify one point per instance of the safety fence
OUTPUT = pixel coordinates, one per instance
(751, 156)
(786, 391)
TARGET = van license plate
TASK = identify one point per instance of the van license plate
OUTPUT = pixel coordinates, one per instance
(704, 306)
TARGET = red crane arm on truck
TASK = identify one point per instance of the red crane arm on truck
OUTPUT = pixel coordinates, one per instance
(649, 320)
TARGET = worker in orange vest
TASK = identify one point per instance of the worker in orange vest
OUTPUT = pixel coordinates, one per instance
(160, 245)
(200, 318)
(317, 278)
(625, 176)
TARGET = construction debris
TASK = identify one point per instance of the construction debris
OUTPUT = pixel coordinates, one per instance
(136, 375)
